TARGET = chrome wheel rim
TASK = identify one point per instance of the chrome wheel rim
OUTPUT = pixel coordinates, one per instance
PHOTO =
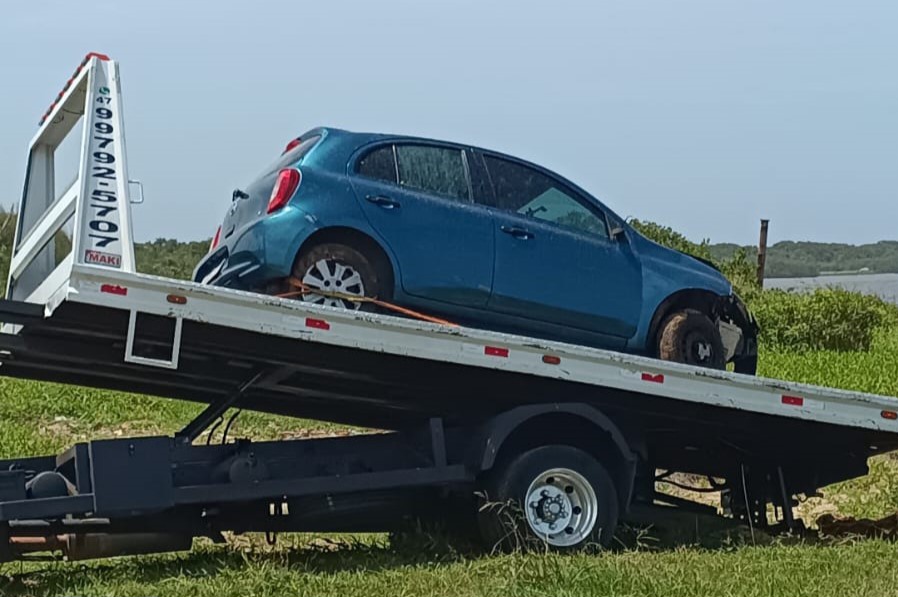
(703, 351)
(332, 276)
(561, 507)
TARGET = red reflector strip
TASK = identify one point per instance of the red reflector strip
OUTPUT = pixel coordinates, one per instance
(793, 400)
(659, 378)
(318, 324)
(176, 299)
(495, 351)
(68, 84)
(889, 414)
(114, 289)
(550, 359)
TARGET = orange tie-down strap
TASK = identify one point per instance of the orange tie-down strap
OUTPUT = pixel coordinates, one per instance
(303, 289)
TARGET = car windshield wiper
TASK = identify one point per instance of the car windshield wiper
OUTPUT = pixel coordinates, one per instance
(238, 194)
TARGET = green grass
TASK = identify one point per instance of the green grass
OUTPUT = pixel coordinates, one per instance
(875, 371)
(304, 564)
(862, 568)
(43, 418)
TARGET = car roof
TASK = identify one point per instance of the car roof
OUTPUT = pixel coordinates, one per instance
(360, 139)
(353, 141)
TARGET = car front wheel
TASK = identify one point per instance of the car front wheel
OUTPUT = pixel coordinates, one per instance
(690, 337)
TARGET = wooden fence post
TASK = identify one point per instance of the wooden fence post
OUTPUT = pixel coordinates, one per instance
(762, 253)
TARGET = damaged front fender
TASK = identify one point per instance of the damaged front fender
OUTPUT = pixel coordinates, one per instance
(733, 313)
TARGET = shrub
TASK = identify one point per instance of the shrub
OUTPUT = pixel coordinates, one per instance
(825, 319)
(743, 274)
(667, 236)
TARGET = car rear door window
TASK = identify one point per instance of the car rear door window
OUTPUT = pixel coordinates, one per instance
(379, 164)
(436, 170)
(531, 193)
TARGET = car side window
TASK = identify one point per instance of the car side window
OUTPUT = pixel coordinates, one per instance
(436, 170)
(379, 164)
(531, 193)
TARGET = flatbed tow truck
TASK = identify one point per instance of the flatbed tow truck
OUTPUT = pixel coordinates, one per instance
(575, 435)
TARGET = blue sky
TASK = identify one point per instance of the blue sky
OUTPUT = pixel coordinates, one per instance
(705, 115)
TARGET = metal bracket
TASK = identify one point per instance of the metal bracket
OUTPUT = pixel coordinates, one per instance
(201, 422)
(788, 518)
(438, 442)
(130, 357)
(139, 186)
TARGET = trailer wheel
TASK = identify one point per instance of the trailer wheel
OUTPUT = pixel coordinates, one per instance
(690, 337)
(555, 496)
(338, 268)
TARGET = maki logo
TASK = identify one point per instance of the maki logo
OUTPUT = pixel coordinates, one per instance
(100, 258)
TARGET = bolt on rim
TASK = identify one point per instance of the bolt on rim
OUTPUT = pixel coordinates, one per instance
(561, 507)
(332, 276)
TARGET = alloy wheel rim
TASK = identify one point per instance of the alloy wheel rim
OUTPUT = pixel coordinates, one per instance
(333, 276)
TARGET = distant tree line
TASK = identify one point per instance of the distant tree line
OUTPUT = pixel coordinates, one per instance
(790, 259)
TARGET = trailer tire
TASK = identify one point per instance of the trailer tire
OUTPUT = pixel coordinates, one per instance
(557, 496)
(321, 267)
(690, 337)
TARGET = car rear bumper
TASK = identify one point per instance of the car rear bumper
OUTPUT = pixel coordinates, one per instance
(258, 253)
(220, 270)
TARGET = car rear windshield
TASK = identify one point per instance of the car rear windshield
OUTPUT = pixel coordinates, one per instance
(292, 156)
(258, 192)
(260, 189)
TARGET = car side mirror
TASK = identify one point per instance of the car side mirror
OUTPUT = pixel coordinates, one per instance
(617, 233)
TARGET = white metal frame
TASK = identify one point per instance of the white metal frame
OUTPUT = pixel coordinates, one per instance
(98, 199)
(171, 363)
(121, 288)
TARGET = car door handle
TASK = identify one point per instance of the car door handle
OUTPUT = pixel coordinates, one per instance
(381, 201)
(516, 232)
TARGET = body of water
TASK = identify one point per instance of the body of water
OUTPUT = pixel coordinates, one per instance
(884, 285)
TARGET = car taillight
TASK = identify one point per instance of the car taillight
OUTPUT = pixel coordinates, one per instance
(292, 144)
(215, 239)
(287, 183)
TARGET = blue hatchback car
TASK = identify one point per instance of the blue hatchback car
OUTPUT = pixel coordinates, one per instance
(484, 239)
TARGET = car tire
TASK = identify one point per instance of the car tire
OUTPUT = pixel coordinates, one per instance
(690, 337)
(747, 365)
(516, 495)
(339, 268)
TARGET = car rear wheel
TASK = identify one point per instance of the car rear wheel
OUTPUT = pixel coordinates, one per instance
(340, 269)
(690, 337)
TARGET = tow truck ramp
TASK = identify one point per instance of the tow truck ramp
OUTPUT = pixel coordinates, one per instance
(466, 411)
